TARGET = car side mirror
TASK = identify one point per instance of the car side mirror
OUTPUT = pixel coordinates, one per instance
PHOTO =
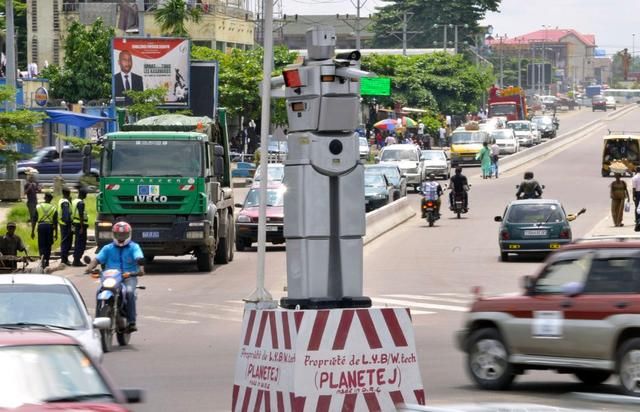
(527, 282)
(133, 395)
(248, 181)
(497, 219)
(102, 323)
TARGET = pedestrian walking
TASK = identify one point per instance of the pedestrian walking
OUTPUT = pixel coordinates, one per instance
(618, 194)
(46, 218)
(635, 186)
(66, 228)
(495, 155)
(389, 140)
(484, 155)
(10, 245)
(443, 136)
(80, 224)
(31, 189)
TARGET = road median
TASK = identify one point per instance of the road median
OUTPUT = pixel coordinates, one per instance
(388, 217)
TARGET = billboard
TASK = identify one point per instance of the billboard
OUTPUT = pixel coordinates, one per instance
(375, 86)
(146, 63)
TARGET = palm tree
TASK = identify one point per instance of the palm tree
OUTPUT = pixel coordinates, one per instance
(173, 16)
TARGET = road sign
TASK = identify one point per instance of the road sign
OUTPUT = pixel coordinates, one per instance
(375, 86)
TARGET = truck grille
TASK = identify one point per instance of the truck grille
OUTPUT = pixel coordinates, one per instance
(172, 203)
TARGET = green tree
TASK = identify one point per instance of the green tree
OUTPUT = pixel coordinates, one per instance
(173, 17)
(16, 126)
(86, 73)
(423, 15)
(20, 23)
(146, 103)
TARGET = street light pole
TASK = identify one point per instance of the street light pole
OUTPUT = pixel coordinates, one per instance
(543, 84)
(11, 73)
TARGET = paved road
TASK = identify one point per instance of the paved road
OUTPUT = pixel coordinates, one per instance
(184, 354)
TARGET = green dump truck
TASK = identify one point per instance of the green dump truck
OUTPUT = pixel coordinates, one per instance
(169, 177)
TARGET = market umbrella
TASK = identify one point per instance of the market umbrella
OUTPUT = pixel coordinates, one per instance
(386, 124)
(409, 122)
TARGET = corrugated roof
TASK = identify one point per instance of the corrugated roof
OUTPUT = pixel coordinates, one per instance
(548, 35)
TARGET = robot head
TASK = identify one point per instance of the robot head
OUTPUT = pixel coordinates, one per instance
(321, 42)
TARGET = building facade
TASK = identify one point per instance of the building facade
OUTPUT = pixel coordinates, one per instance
(291, 30)
(224, 24)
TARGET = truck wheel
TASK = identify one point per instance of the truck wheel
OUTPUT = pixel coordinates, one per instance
(204, 259)
(224, 251)
(488, 360)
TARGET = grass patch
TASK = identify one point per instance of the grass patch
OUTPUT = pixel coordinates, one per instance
(20, 214)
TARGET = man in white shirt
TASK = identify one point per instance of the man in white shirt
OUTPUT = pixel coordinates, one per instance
(495, 154)
(389, 140)
(635, 185)
(443, 136)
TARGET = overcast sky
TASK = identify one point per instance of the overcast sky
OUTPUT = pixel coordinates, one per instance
(613, 22)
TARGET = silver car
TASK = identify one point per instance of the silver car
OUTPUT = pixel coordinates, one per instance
(49, 302)
(407, 157)
(436, 162)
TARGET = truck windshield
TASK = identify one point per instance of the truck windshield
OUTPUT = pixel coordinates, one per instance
(467, 137)
(152, 158)
(501, 109)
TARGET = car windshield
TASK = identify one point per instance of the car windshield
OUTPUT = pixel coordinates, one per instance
(502, 109)
(621, 149)
(467, 137)
(154, 158)
(392, 155)
(275, 173)
(502, 134)
(373, 180)
(542, 120)
(520, 126)
(432, 155)
(363, 142)
(53, 305)
(40, 154)
(275, 197)
(391, 173)
(535, 213)
(37, 374)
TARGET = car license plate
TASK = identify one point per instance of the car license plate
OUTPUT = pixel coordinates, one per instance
(535, 232)
(554, 246)
(467, 158)
(272, 228)
(514, 246)
(150, 235)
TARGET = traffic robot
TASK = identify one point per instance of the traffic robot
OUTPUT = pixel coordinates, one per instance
(324, 203)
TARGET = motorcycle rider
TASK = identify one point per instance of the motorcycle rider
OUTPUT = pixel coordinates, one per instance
(431, 190)
(529, 188)
(459, 184)
(126, 256)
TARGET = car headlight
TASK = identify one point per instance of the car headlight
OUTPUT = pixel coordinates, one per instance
(195, 234)
(109, 283)
(379, 196)
(244, 219)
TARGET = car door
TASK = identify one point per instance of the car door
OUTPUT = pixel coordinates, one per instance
(71, 163)
(610, 295)
(48, 165)
(540, 328)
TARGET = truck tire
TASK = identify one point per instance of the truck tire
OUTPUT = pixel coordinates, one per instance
(224, 251)
(204, 259)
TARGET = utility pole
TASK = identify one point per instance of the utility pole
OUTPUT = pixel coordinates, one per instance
(533, 67)
(519, 64)
(140, 4)
(11, 73)
(405, 21)
(444, 38)
(501, 65)
(357, 28)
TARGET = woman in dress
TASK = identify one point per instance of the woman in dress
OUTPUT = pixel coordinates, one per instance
(484, 155)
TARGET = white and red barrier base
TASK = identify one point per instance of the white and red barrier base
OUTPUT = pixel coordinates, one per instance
(327, 360)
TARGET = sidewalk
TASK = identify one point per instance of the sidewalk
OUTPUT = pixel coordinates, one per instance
(606, 228)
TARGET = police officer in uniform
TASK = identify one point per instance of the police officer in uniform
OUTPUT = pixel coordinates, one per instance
(46, 218)
(66, 229)
(80, 223)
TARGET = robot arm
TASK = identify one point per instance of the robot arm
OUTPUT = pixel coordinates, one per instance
(351, 73)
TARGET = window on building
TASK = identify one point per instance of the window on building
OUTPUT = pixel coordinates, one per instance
(203, 43)
(56, 52)
(220, 45)
(34, 50)
(56, 17)
(34, 16)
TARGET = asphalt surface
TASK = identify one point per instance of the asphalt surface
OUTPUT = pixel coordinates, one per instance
(184, 353)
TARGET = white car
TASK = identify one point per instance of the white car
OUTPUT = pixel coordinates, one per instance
(506, 140)
(524, 132)
(407, 157)
(49, 302)
(611, 102)
(436, 162)
(364, 147)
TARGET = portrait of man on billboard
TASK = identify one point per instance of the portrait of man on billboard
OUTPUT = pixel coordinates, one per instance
(125, 79)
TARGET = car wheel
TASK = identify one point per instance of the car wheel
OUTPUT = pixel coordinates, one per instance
(592, 377)
(504, 256)
(629, 367)
(488, 360)
(242, 244)
(605, 173)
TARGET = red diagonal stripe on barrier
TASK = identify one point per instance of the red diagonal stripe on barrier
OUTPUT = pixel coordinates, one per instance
(280, 401)
(391, 320)
(420, 398)
(324, 401)
(258, 404)
(274, 331)
(252, 319)
(343, 330)
(396, 397)
(372, 402)
(261, 328)
(318, 329)
(285, 330)
(297, 402)
(369, 329)
(234, 397)
(349, 404)
(267, 401)
(247, 398)
(297, 316)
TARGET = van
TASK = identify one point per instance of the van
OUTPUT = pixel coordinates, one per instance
(465, 145)
(407, 157)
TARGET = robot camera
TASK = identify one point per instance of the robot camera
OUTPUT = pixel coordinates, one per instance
(352, 55)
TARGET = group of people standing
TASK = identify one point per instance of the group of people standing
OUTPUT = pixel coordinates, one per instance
(488, 157)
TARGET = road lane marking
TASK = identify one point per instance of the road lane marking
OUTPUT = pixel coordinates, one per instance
(206, 306)
(403, 303)
(203, 315)
(429, 297)
(169, 320)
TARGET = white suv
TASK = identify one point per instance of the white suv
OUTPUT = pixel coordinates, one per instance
(407, 157)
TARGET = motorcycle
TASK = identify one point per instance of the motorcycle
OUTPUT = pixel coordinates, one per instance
(429, 210)
(525, 196)
(111, 300)
(457, 205)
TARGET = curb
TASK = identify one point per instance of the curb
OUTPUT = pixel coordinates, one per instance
(387, 218)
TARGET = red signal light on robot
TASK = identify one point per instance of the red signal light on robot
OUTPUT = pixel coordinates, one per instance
(292, 78)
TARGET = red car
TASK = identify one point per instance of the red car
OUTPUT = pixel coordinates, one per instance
(598, 102)
(247, 220)
(49, 371)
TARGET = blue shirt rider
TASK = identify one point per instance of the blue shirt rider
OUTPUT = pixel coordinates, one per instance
(124, 255)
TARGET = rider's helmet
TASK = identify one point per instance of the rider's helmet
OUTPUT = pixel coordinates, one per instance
(432, 176)
(458, 170)
(528, 175)
(121, 233)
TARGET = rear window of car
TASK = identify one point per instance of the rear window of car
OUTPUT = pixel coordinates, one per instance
(535, 213)
(502, 134)
(391, 155)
